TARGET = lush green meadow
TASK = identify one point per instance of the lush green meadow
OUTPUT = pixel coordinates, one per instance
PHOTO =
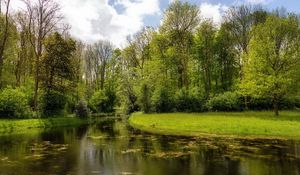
(235, 124)
(26, 125)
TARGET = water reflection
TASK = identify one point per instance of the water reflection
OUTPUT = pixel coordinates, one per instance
(112, 147)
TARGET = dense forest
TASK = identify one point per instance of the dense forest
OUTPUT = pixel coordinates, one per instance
(250, 61)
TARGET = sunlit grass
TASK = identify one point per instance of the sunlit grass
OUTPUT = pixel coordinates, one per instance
(237, 124)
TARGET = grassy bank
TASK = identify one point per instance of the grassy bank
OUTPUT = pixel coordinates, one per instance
(20, 126)
(240, 124)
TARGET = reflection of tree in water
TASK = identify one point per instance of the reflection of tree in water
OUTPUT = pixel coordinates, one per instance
(81, 131)
(107, 127)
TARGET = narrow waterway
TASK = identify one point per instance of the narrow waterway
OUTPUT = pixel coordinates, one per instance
(111, 147)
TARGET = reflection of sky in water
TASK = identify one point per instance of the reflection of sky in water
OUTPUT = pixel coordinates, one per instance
(113, 148)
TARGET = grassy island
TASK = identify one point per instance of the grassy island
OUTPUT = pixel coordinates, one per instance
(231, 124)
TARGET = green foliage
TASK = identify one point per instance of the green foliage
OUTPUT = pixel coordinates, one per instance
(163, 101)
(273, 60)
(58, 64)
(13, 104)
(145, 99)
(53, 103)
(288, 103)
(186, 101)
(103, 101)
(131, 104)
(82, 110)
(228, 101)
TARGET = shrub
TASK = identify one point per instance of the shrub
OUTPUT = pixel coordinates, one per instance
(111, 100)
(163, 101)
(81, 110)
(259, 104)
(14, 104)
(103, 101)
(53, 103)
(29, 92)
(187, 101)
(266, 103)
(131, 104)
(228, 101)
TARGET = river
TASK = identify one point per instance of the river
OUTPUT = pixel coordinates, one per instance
(112, 147)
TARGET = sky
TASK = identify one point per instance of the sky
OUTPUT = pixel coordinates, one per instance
(114, 20)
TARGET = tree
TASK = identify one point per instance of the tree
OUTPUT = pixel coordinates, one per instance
(98, 56)
(180, 20)
(226, 57)
(4, 36)
(273, 61)
(104, 51)
(204, 53)
(240, 21)
(24, 64)
(43, 19)
(59, 70)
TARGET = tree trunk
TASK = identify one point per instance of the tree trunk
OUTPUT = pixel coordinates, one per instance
(276, 106)
(1, 67)
(36, 85)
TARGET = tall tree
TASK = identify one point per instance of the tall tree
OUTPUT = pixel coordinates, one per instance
(97, 58)
(104, 51)
(180, 20)
(43, 19)
(24, 66)
(4, 36)
(226, 56)
(273, 62)
(204, 53)
(58, 66)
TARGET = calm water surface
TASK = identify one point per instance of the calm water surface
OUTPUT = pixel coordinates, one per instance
(111, 147)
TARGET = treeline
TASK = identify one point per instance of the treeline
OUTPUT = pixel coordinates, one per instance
(189, 64)
(40, 63)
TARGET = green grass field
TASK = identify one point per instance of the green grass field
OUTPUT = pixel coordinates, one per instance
(233, 124)
(27, 125)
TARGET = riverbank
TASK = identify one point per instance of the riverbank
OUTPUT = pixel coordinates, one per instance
(231, 124)
(27, 125)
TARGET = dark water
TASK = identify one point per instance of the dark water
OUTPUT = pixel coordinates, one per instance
(111, 147)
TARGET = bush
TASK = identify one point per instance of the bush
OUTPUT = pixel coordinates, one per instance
(131, 104)
(163, 101)
(187, 101)
(53, 103)
(81, 110)
(259, 104)
(267, 104)
(14, 104)
(103, 101)
(228, 101)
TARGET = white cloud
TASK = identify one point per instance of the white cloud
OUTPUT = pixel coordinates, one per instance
(92, 20)
(213, 11)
